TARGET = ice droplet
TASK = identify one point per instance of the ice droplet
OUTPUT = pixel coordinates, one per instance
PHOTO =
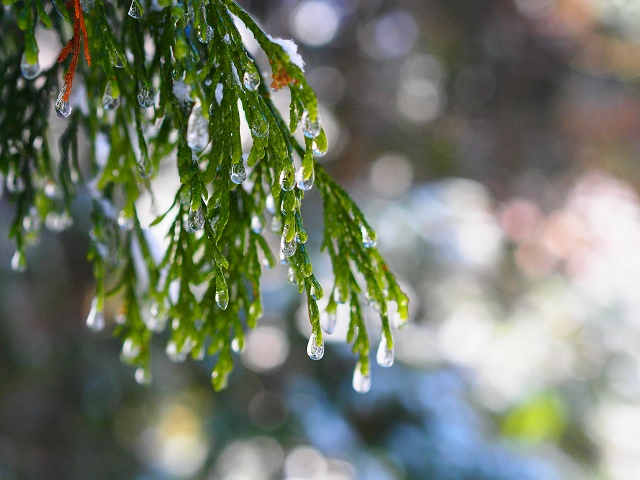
(143, 376)
(287, 180)
(226, 39)
(317, 151)
(125, 222)
(315, 351)
(177, 355)
(361, 382)
(369, 239)
(310, 128)
(63, 109)
(51, 190)
(109, 102)
(144, 167)
(205, 33)
(130, 349)
(197, 130)
(222, 299)
(18, 262)
(304, 183)
(276, 225)
(29, 70)
(136, 10)
(146, 97)
(270, 204)
(251, 78)
(257, 223)
(288, 248)
(196, 219)
(384, 356)
(95, 319)
(328, 322)
(238, 173)
(237, 346)
(15, 183)
(260, 126)
(154, 319)
(58, 222)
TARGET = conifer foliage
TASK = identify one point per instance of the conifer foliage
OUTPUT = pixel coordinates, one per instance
(164, 85)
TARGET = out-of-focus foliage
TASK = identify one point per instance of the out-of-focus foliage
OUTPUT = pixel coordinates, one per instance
(494, 146)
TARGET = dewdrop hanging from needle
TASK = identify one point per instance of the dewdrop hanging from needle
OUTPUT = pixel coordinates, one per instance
(63, 109)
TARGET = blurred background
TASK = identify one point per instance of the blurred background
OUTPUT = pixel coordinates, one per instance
(493, 145)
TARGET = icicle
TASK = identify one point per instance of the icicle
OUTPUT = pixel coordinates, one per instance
(95, 319)
(197, 130)
(315, 351)
(238, 173)
(361, 382)
(146, 96)
(196, 219)
(328, 322)
(29, 70)
(63, 109)
(304, 183)
(136, 10)
(19, 262)
(251, 77)
(310, 128)
(384, 356)
(143, 376)
(109, 102)
(205, 33)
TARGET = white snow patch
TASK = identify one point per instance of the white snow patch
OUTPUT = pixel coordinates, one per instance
(219, 93)
(291, 49)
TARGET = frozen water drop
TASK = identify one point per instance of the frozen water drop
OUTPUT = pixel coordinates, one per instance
(302, 182)
(196, 219)
(270, 204)
(288, 248)
(51, 190)
(29, 70)
(58, 222)
(257, 223)
(361, 382)
(18, 262)
(130, 349)
(369, 239)
(315, 351)
(384, 356)
(287, 180)
(15, 183)
(237, 346)
(260, 126)
(226, 39)
(109, 102)
(317, 151)
(251, 79)
(238, 173)
(136, 10)
(95, 319)
(63, 109)
(205, 33)
(144, 167)
(197, 130)
(328, 322)
(310, 128)
(174, 354)
(125, 222)
(146, 97)
(143, 376)
(222, 299)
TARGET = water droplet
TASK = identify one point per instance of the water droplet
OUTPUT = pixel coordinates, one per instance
(328, 322)
(95, 319)
(304, 184)
(257, 223)
(222, 299)
(197, 130)
(19, 262)
(310, 128)
(15, 183)
(315, 351)
(136, 10)
(361, 382)
(31, 222)
(109, 102)
(51, 190)
(317, 151)
(118, 60)
(143, 376)
(287, 180)
(205, 33)
(196, 220)
(238, 173)
(29, 70)
(63, 109)
(155, 319)
(146, 97)
(384, 357)
(251, 79)
(130, 350)
(369, 239)
(125, 222)
(58, 222)
(144, 167)
(237, 346)
(177, 355)
(270, 204)
(288, 248)
(260, 126)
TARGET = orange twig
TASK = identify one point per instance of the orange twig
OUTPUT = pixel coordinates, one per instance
(73, 47)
